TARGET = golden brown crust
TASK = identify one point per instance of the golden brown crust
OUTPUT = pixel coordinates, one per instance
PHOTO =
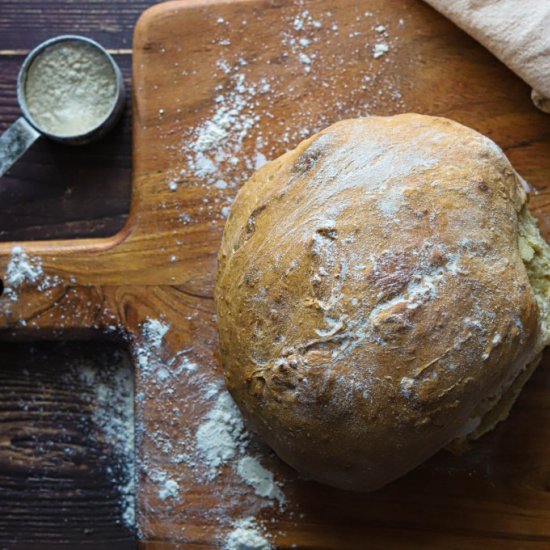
(371, 293)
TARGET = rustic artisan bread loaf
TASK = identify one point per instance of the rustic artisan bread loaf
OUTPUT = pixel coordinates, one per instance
(382, 292)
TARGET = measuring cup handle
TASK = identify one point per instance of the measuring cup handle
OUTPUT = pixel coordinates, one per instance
(14, 142)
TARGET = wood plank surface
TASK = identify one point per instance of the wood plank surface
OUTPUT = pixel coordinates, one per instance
(56, 191)
(481, 500)
(60, 192)
(57, 473)
(250, 54)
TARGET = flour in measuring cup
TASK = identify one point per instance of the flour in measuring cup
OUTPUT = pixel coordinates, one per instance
(70, 88)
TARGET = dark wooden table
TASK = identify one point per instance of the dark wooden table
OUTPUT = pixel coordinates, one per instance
(56, 488)
(48, 497)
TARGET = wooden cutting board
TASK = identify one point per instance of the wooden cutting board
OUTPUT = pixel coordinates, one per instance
(270, 73)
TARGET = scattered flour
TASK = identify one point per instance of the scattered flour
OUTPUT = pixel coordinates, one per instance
(221, 436)
(153, 332)
(112, 390)
(168, 487)
(217, 142)
(170, 490)
(259, 160)
(380, 49)
(185, 218)
(224, 148)
(255, 475)
(296, 40)
(216, 438)
(304, 20)
(22, 268)
(247, 535)
(304, 59)
(187, 365)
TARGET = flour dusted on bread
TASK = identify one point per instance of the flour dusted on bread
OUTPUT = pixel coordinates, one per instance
(382, 291)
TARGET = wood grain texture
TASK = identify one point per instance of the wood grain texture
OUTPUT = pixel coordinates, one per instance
(55, 485)
(158, 267)
(56, 191)
(60, 192)
(24, 23)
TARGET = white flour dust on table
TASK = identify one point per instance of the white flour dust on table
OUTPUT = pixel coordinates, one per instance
(210, 443)
(243, 131)
(23, 270)
(110, 392)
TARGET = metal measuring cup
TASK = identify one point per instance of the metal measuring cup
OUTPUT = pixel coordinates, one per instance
(25, 130)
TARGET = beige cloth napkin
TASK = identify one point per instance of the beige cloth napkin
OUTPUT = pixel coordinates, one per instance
(516, 31)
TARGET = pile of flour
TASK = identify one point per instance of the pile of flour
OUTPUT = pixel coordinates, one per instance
(70, 88)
